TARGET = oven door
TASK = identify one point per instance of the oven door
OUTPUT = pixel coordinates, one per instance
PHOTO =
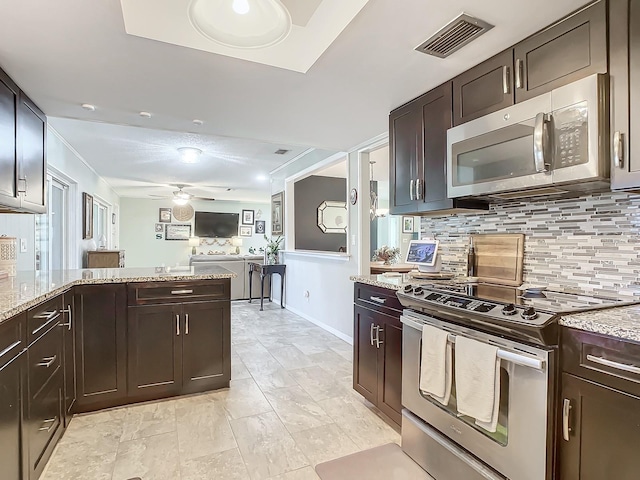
(521, 447)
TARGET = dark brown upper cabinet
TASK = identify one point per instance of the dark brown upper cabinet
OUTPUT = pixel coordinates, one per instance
(8, 158)
(23, 166)
(569, 50)
(485, 88)
(624, 65)
(404, 151)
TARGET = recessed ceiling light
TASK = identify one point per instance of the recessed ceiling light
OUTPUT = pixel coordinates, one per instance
(197, 122)
(261, 177)
(88, 106)
(189, 154)
(145, 114)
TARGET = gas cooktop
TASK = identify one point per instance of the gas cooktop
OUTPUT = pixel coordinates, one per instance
(508, 311)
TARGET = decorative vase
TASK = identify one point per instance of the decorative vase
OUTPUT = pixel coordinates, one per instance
(272, 258)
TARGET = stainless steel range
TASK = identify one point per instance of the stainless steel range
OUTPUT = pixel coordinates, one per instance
(523, 326)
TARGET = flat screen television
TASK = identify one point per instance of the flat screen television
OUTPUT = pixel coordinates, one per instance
(216, 225)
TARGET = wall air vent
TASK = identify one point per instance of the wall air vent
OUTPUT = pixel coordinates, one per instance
(454, 36)
(281, 151)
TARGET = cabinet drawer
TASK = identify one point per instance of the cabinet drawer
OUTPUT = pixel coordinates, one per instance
(377, 298)
(178, 292)
(607, 360)
(43, 317)
(12, 338)
(45, 359)
(44, 424)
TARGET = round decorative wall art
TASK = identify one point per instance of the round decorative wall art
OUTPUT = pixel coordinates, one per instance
(183, 213)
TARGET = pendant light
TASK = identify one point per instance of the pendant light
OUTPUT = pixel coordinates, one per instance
(241, 23)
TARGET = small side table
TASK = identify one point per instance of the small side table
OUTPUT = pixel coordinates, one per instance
(267, 271)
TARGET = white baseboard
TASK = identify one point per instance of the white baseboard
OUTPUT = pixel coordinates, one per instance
(324, 326)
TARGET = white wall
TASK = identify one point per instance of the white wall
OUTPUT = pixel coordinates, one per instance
(138, 217)
(73, 170)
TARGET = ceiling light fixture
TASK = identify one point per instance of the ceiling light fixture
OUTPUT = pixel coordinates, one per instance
(88, 106)
(180, 201)
(241, 23)
(145, 114)
(189, 154)
(261, 177)
(197, 122)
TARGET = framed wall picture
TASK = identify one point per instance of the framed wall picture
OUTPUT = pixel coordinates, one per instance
(164, 215)
(175, 231)
(247, 217)
(407, 224)
(245, 231)
(277, 214)
(159, 228)
(261, 225)
(87, 215)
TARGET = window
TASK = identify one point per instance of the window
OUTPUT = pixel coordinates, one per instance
(52, 228)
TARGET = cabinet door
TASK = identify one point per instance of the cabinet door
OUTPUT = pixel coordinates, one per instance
(436, 120)
(32, 175)
(206, 344)
(101, 345)
(10, 416)
(365, 353)
(390, 367)
(485, 88)
(563, 53)
(8, 158)
(605, 432)
(155, 349)
(625, 92)
(69, 352)
(405, 127)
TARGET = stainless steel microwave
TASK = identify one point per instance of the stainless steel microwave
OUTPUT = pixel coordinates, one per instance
(550, 145)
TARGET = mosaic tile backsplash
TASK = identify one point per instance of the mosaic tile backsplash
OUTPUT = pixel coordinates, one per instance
(590, 243)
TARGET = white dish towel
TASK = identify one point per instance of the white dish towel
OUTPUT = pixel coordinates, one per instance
(478, 381)
(435, 364)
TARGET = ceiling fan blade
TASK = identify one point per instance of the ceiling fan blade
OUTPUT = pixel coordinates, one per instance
(204, 198)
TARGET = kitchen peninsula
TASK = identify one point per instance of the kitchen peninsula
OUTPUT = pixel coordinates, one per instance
(83, 340)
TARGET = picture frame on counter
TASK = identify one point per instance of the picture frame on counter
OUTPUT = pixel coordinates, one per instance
(164, 215)
(176, 231)
(245, 231)
(248, 217)
(87, 216)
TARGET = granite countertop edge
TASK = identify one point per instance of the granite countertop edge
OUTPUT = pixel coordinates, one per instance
(28, 303)
(367, 280)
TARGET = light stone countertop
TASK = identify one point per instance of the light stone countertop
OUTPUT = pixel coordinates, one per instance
(384, 281)
(619, 322)
(29, 288)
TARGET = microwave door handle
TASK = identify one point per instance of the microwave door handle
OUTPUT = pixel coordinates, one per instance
(540, 142)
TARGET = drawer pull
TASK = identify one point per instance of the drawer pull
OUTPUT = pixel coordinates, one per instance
(566, 410)
(378, 299)
(47, 361)
(372, 326)
(186, 324)
(51, 422)
(178, 325)
(50, 318)
(69, 324)
(46, 315)
(612, 364)
(9, 348)
(181, 292)
(378, 341)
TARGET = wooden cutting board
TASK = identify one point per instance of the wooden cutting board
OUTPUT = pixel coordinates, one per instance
(499, 258)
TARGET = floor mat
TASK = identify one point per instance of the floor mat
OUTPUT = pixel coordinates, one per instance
(387, 462)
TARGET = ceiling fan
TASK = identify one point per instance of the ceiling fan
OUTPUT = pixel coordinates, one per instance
(180, 197)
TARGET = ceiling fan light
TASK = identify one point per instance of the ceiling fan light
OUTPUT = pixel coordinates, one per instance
(189, 154)
(180, 200)
(241, 23)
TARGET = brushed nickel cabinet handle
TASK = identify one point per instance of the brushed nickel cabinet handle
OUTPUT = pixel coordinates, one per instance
(50, 318)
(519, 82)
(181, 292)
(378, 341)
(618, 366)
(9, 348)
(411, 189)
(371, 333)
(51, 422)
(418, 189)
(566, 410)
(506, 88)
(70, 322)
(186, 324)
(378, 299)
(177, 325)
(47, 361)
(618, 150)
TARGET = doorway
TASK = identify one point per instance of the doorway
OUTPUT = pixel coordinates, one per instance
(52, 228)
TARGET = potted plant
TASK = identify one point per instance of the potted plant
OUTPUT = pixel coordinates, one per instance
(386, 254)
(272, 249)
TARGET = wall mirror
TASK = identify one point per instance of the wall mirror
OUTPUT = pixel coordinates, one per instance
(332, 217)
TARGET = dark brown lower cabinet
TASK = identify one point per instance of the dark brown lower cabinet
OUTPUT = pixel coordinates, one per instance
(603, 432)
(178, 348)
(100, 313)
(11, 387)
(377, 361)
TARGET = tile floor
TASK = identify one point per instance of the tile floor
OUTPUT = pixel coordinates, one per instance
(290, 406)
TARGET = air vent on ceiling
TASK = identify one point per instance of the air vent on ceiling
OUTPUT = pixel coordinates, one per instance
(281, 151)
(454, 36)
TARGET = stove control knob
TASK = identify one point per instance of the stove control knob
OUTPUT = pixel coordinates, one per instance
(418, 291)
(529, 313)
(509, 309)
(408, 288)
